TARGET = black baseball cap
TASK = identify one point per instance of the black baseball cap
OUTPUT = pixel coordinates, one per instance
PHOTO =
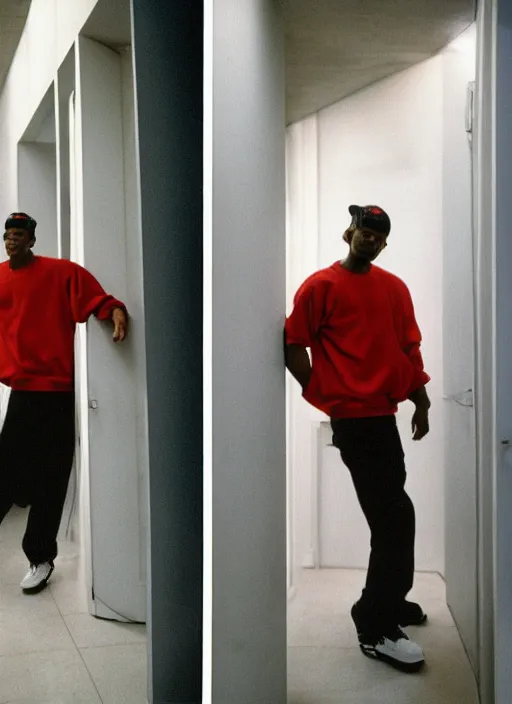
(21, 220)
(370, 216)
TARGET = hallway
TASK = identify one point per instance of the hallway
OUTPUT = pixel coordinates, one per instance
(325, 665)
(53, 652)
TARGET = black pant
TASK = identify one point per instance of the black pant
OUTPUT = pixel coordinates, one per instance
(372, 450)
(37, 446)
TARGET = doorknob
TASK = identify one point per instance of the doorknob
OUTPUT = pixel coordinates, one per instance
(463, 398)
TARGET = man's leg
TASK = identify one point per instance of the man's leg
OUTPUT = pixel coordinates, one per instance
(40, 539)
(372, 451)
(57, 447)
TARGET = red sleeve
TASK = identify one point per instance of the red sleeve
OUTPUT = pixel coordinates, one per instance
(89, 298)
(303, 324)
(411, 339)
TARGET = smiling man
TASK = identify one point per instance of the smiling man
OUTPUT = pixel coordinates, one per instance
(41, 301)
(359, 323)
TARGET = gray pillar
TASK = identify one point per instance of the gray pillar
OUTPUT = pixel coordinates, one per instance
(168, 63)
(245, 398)
(484, 385)
(503, 337)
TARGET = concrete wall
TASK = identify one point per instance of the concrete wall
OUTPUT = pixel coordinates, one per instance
(245, 468)
(400, 143)
(51, 28)
(458, 315)
(37, 193)
(384, 146)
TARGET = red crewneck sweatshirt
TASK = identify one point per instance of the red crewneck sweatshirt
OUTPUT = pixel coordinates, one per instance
(364, 341)
(40, 305)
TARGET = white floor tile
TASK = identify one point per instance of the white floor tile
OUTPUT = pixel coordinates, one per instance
(37, 628)
(322, 631)
(13, 564)
(119, 672)
(12, 597)
(90, 632)
(69, 590)
(46, 678)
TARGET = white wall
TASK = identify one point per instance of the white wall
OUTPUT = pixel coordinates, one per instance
(37, 193)
(458, 313)
(49, 33)
(51, 28)
(383, 145)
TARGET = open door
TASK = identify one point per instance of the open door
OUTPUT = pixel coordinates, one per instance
(108, 452)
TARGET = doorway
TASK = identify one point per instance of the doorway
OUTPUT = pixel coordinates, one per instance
(402, 143)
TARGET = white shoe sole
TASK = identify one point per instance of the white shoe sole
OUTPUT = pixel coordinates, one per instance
(409, 667)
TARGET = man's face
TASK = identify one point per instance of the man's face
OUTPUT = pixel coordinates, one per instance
(18, 241)
(366, 244)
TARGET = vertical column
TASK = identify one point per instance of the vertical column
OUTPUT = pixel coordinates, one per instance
(503, 341)
(244, 305)
(485, 346)
(168, 68)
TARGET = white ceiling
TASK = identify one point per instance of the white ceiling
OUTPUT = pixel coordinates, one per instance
(13, 14)
(336, 47)
(333, 47)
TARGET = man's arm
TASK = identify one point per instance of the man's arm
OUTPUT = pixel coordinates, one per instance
(87, 297)
(301, 327)
(411, 345)
(420, 398)
(297, 362)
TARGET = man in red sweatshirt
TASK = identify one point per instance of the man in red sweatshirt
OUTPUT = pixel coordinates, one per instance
(358, 321)
(41, 301)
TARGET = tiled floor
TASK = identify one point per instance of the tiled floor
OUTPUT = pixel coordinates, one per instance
(326, 666)
(53, 652)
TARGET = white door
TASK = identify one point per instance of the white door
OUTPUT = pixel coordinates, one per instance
(107, 403)
(459, 413)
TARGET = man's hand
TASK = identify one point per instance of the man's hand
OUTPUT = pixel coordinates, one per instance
(420, 426)
(120, 321)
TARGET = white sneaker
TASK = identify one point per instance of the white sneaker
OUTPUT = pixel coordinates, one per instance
(396, 649)
(37, 578)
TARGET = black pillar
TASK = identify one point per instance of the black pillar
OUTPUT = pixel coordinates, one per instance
(168, 67)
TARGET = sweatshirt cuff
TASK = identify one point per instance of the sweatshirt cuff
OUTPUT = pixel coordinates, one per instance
(105, 309)
(420, 379)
